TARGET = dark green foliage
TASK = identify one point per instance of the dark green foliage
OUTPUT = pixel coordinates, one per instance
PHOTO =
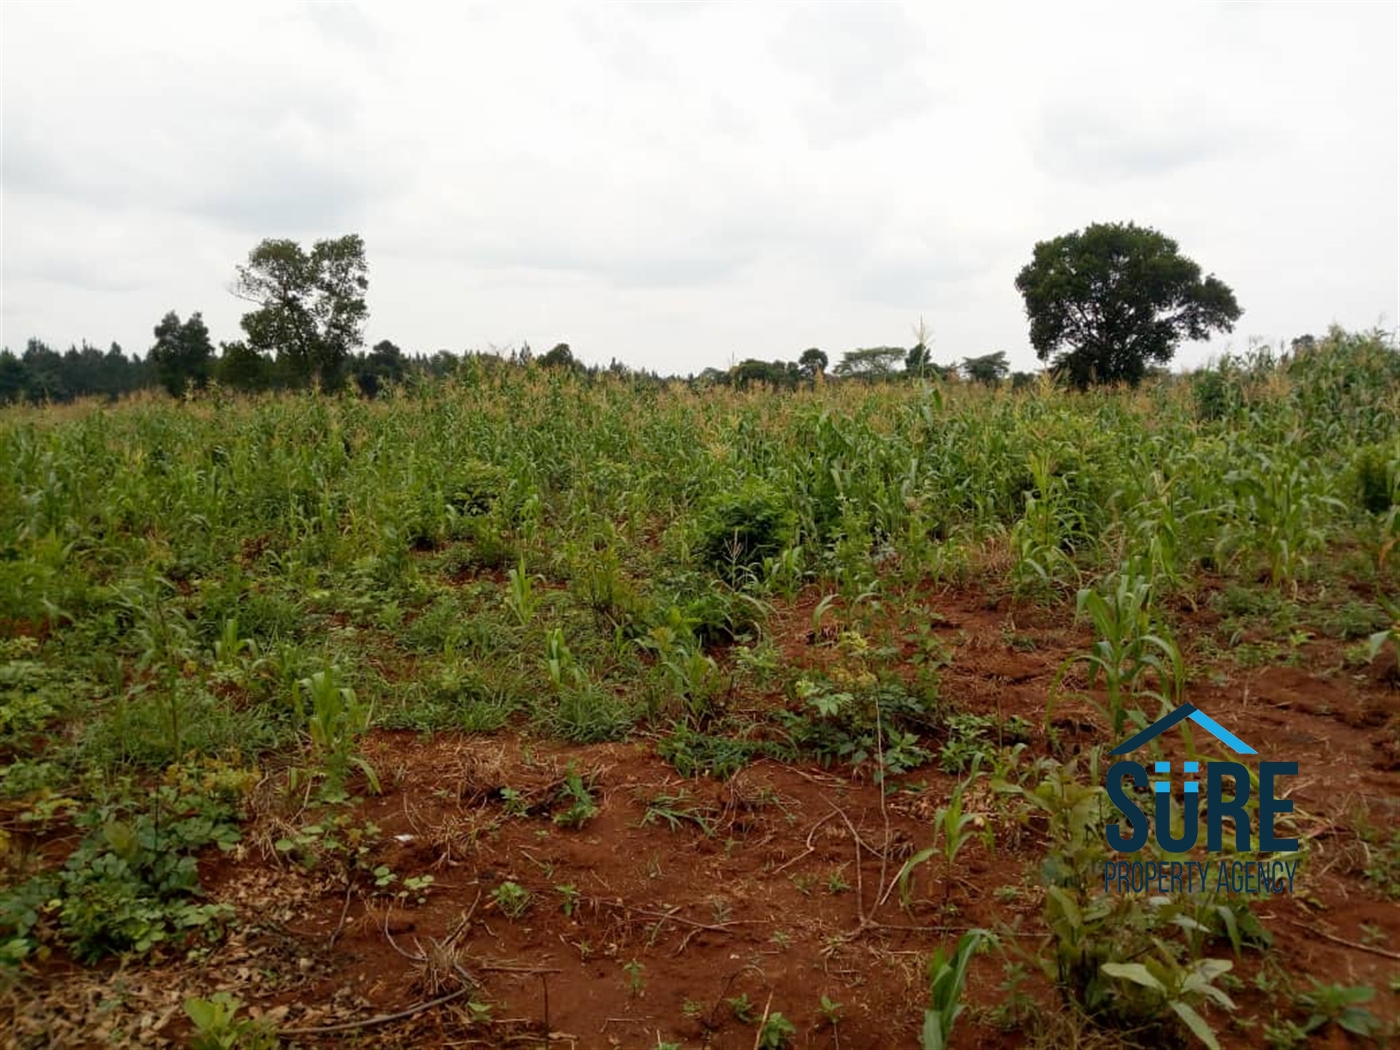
(971, 736)
(739, 530)
(1115, 298)
(721, 615)
(918, 363)
(42, 374)
(384, 364)
(243, 368)
(1373, 478)
(32, 694)
(1339, 1004)
(133, 880)
(561, 356)
(696, 754)
(476, 486)
(778, 374)
(989, 368)
(876, 362)
(1215, 394)
(311, 306)
(182, 354)
(878, 727)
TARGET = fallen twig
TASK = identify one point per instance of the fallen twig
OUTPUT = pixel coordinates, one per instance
(345, 911)
(860, 884)
(1373, 949)
(763, 1023)
(810, 848)
(378, 1019)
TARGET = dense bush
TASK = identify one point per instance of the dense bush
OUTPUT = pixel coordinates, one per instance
(738, 530)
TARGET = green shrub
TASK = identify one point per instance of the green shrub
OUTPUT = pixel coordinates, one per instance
(1373, 479)
(1215, 393)
(477, 486)
(132, 882)
(738, 530)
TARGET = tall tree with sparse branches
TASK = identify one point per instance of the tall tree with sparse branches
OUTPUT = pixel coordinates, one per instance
(311, 305)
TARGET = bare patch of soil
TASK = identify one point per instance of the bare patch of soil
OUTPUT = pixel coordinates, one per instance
(685, 911)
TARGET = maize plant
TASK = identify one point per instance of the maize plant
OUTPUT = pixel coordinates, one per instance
(1043, 539)
(336, 722)
(1134, 660)
(1280, 503)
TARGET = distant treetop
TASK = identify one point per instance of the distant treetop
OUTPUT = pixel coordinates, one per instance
(1115, 298)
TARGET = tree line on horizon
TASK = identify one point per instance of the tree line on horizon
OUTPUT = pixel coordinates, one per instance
(183, 360)
(1105, 305)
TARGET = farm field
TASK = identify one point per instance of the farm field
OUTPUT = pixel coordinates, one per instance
(528, 709)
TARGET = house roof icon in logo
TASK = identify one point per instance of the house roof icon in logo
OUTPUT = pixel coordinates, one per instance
(1190, 711)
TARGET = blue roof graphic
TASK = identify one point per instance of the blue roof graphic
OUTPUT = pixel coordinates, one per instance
(1190, 711)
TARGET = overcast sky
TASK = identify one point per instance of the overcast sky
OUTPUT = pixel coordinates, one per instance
(686, 185)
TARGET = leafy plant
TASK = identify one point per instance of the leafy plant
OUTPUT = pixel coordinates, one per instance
(1180, 988)
(132, 882)
(741, 1008)
(512, 899)
(636, 979)
(1127, 650)
(218, 1027)
(1339, 1004)
(951, 826)
(575, 792)
(522, 598)
(691, 674)
(740, 529)
(1114, 955)
(974, 739)
(776, 1032)
(569, 898)
(831, 1011)
(947, 975)
(336, 723)
(340, 840)
(559, 662)
(875, 726)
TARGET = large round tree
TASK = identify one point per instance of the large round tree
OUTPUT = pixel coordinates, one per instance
(1109, 300)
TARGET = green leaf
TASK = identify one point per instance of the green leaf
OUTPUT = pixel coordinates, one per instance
(1359, 1022)
(1207, 970)
(1069, 908)
(932, 1037)
(202, 1012)
(1232, 926)
(1195, 1022)
(1135, 972)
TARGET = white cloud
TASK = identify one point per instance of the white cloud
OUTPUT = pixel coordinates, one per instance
(676, 185)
